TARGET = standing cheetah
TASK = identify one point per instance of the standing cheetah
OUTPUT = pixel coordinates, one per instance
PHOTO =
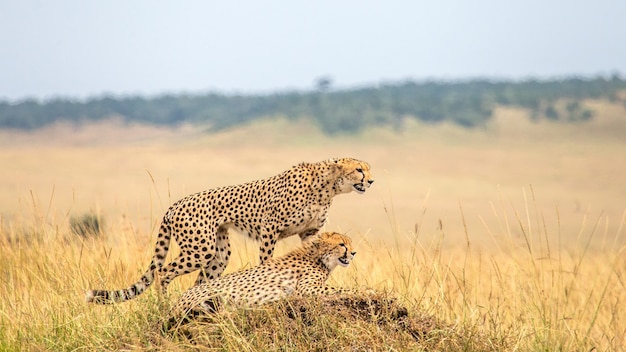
(293, 202)
(301, 272)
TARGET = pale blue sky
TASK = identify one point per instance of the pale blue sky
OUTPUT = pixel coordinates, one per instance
(78, 48)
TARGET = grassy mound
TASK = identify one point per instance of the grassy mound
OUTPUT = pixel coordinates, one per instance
(356, 322)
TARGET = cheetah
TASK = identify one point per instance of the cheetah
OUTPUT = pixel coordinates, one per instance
(302, 272)
(293, 202)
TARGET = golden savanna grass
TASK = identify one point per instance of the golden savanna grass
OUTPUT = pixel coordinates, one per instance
(509, 237)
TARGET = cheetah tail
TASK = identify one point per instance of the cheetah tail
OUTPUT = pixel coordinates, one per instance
(100, 296)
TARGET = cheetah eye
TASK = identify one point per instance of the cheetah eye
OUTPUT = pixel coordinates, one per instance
(358, 169)
(342, 245)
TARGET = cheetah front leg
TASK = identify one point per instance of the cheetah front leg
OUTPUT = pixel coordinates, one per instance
(268, 243)
(307, 234)
(267, 238)
(266, 249)
(316, 224)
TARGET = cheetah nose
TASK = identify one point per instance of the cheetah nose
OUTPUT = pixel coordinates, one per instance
(370, 181)
(353, 253)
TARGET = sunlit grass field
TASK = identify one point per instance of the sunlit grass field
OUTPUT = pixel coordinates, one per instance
(511, 236)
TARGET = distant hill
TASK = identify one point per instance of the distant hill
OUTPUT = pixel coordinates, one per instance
(467, 103)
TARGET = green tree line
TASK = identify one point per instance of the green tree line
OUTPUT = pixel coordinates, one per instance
(467, 103)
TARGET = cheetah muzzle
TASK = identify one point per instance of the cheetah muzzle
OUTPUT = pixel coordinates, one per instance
(345, 259)
(364, 184)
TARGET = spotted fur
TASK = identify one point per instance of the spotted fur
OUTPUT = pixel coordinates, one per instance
(293, 202)
(301, 272)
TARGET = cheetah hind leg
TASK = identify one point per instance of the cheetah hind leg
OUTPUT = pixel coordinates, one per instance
(185, 263)
(214, 267)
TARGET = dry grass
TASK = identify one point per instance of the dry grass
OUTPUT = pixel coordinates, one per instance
(457, 298)
(507, 238)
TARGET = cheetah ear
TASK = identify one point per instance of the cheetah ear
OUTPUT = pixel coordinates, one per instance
(326, 235)
(335, 167)
(315, 243)
(317, 240)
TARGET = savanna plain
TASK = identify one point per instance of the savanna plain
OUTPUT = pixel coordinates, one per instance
(508, 237)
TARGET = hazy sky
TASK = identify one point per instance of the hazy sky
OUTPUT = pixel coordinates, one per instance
(78, 48)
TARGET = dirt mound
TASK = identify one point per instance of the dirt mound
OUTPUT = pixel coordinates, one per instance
(356, 322)
(378, 309)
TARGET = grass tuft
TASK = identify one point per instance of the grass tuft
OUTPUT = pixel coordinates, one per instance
(86, 225)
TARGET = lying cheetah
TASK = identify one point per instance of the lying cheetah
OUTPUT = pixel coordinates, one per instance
(293, 202)
(301, 272)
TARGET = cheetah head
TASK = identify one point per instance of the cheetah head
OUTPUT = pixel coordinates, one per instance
(335, 249)
(354, 175)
